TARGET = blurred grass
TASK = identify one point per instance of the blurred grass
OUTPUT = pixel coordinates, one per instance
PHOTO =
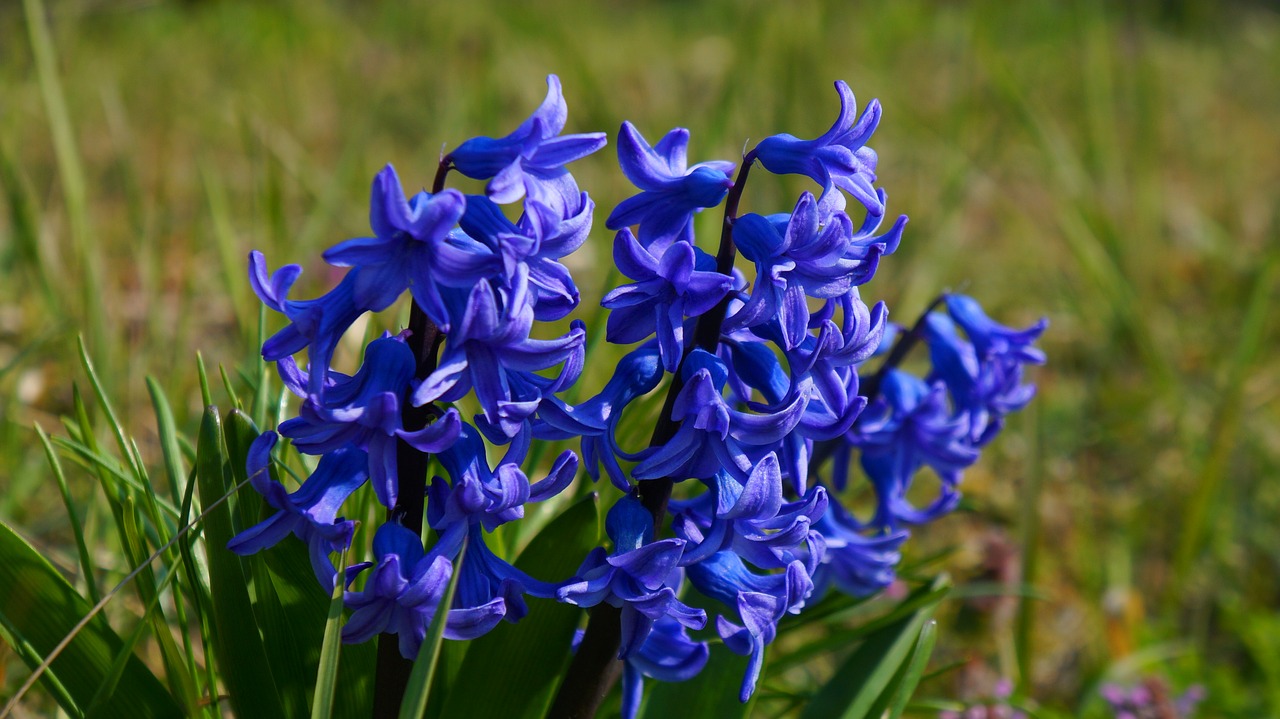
(1113, 167)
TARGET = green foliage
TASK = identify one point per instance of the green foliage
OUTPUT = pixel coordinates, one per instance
(526, 659)
(868, 682)
(39, 609)
(242, 658)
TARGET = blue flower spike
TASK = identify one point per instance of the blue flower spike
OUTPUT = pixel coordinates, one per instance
(783, 389)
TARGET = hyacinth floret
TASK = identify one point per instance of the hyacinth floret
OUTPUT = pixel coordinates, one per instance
(595, 421)
(672, 192)
(364, 410)
(530, 161)
(837, 159)
(680, 284)
(403, 593)
(490, 349)
(310, 513)
(538, 240)
(414, 247)
(637, 576)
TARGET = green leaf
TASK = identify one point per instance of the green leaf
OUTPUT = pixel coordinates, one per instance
(38, 609)
(111, 683)
(168, 434)
(327, 673)
(77, 529)
(242, 660)
(915, 668)
(866, 680)
(414, 705)
(294, 638)
(526, 659)
(292, 646)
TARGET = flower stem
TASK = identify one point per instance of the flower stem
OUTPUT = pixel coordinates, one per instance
(596, 667)
(654, 493)
(393, 670)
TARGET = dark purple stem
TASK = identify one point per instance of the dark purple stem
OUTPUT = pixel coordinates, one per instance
(596, 667)
(392, 671)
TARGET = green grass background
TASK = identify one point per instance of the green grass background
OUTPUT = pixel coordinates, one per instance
(1112, 166)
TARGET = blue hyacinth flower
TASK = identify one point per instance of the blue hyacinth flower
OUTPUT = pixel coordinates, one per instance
(760, 600)
(839, 158)
(403, 593)
(530, 161)
(317, 324)
(855, 561)
(679, 284)
(672, 191)
(414, 247)
(478, 494)
(713, 435)
(637, 577)
(908, 427)
(365, 410)
(489, 344)
(668, 655)
(538, 240)
(596, 420)
(311, 512)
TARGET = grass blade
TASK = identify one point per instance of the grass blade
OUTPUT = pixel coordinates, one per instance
(915, 668)
(78, 645)
(861, 683)
(418, 692)
(327, 675)
(82, 550)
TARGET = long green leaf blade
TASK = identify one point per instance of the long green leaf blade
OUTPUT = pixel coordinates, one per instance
(868, 674)
(418, 692)
(526, 659)
(327, 674)
(242, 661)
(41, 607)
(915, 668)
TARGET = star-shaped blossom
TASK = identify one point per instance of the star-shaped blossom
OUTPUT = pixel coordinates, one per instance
(317, 324)
(530, 161)
(489, 343)
(672, 191)
(680, 284)
(760, 600)
(806, 254)
(538, 240)
(751, 520)
(479, 494)
(911, 426)
(636, 577)
(839, 158)
(668, 655)
(855, 561)
(365, 410)
(714, 435)
(415, 247)
(311, 512)
(403, 593)
(596, 420)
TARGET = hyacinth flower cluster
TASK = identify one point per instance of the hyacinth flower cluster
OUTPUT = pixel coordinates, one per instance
(775, 380)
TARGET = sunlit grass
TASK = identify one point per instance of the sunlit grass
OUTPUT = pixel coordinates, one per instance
(1112, 169)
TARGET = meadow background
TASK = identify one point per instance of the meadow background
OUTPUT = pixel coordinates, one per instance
(1114, 166)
